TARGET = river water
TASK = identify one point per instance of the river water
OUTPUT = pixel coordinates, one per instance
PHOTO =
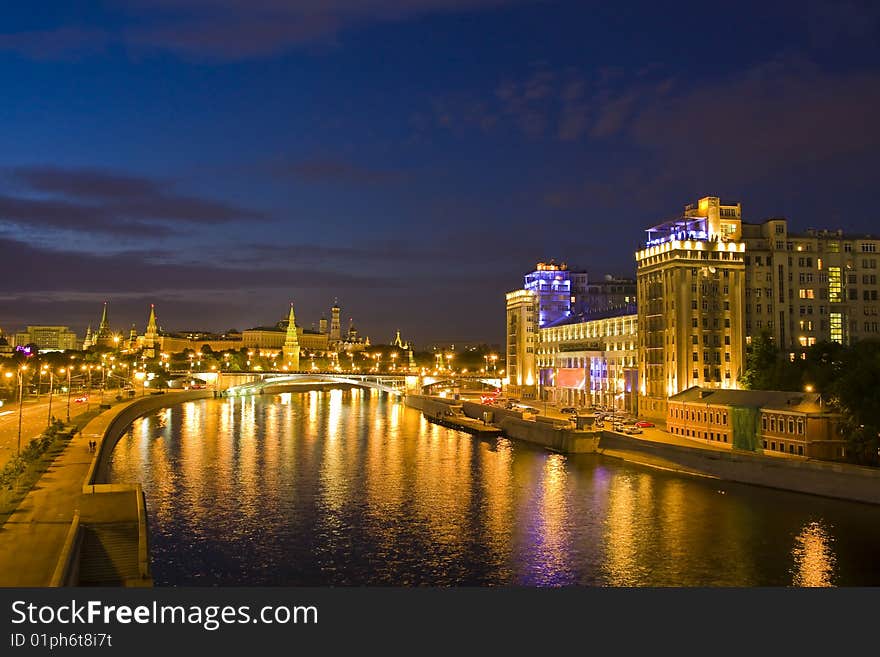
(349, 487)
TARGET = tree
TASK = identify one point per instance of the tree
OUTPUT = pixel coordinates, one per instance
(856, 392)
(762, 364)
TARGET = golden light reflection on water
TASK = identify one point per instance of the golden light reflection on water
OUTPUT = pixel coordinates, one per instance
(554, 536)
(621, 534)
(312, 491)
(442, 489)
(498, 492)
(814, 558)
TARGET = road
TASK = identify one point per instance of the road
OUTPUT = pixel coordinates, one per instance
(34, 416)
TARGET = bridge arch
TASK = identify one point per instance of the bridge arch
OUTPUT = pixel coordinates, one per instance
(385, 384)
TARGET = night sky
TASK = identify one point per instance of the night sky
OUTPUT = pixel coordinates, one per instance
(413, 158)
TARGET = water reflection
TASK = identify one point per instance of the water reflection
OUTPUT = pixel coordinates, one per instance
(814, 560)
(348, 487)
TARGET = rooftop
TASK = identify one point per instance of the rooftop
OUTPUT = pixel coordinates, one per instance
(774, 400)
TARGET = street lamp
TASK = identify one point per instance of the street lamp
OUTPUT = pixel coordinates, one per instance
(140, 376)
(21, 371)
(51, 390)
(68, 390)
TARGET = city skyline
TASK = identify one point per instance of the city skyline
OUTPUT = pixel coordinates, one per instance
(222, 162)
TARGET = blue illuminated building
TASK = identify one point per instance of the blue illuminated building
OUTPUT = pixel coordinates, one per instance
(551, 284)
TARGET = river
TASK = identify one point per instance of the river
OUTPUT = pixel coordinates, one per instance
(350, 487)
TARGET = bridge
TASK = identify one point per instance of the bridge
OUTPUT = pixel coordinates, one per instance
(395, 385)
(249, 383)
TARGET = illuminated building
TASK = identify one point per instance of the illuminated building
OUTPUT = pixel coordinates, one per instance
(47, 338)
(610, 294)
(590, 362)
(5, 347)
(551, 285)
(522, 337)
(810, 287)
(103, 337)
(691, 282)
(792, 424)
(291, 342)
(335, 330)
(151, 335)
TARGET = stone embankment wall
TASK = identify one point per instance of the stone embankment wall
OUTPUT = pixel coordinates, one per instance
(838, 480)
(119, 425)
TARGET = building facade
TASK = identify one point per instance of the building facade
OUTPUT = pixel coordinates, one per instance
(791, 424)
(551, 285)
(598, 298)
(47, 338)
(522, 338)
(810, 287)
(592, 362)
(691, 292)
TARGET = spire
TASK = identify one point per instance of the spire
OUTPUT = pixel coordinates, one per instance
(87, 341)
(105, 321)
(151, 335)
(397, 341)
(291, 342)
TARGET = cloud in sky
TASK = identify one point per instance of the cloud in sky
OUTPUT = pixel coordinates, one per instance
(229, 29)
(333, 171)
(91, 200)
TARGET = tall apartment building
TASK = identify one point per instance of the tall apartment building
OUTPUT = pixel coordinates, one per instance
(522, 336)
(47, 338)
(810, 287)
(610, 294)
(690, 288)
(551, 284)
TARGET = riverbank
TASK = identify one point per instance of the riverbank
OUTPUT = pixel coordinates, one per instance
(72, 529)
(827, 479)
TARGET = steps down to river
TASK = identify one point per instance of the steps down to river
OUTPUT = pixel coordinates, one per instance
(109, 554)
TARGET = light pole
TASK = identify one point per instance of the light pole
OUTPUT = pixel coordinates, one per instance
(140, 376)
(68, 390)
(21, 371)
(51, 389)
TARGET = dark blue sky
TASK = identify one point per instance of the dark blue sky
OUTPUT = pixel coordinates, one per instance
(412, 158)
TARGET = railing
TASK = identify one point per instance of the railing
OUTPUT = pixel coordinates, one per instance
(67, 569)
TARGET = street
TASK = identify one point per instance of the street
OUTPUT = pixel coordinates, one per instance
(34, 417)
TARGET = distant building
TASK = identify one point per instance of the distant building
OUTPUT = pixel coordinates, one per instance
(290, 349)
(522, 339)
(551, 285)
(48, 338)
(810, 287)
(589, 362)
(5, 346)
(610, 294)
(792, 424)
(104, 336)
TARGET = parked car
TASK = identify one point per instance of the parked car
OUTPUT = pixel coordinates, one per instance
(618, 426)
(632, 430)
(81, 400)
(569, 409)
(644, 424)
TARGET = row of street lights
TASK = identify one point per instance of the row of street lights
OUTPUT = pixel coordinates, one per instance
(85, 369)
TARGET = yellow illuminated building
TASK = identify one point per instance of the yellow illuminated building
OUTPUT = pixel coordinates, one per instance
(810, 287)
(691, 283)
(522, 337)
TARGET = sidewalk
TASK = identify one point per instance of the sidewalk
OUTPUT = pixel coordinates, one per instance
(32, 538)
